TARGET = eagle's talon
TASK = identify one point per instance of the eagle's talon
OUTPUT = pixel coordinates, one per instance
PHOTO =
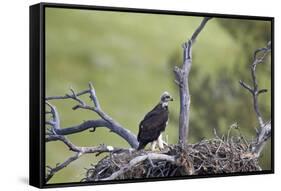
(165, 143)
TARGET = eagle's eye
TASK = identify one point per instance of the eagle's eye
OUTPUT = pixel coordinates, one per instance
(166, 97)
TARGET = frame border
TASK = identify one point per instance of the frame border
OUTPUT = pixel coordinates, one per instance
(37, 92)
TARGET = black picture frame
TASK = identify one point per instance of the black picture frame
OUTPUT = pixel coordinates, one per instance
(37, 91)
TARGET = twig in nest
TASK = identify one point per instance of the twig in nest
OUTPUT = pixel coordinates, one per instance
(135, 161)
(206, 157)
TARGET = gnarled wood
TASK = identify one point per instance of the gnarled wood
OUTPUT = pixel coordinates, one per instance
(105, 121)
(264, 131)
(182, 75)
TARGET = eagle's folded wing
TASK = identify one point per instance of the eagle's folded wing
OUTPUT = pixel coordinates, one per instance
(152, 124)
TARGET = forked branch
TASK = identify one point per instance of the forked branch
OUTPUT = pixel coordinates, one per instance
(79, 151)
(264, 131)
(105, 121)
(182, 75)
(56, 133)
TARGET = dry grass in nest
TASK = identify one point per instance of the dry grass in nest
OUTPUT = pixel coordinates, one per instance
(214, 156)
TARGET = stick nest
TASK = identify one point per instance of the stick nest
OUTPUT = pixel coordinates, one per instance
(214, 156)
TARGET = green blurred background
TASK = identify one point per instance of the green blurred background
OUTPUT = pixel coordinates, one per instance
(129, 57)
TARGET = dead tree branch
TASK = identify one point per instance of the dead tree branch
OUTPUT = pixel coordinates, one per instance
(79, 152)
(106, 120)
(53, 136)
(264, 131)
(182, 75)
(213, 156)
(52, 170)
(90, 124)
(263, 135)
(56, 133)
(139, 159)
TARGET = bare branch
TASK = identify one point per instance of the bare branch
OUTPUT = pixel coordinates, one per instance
(79, 152)
(83, 150)
(246, 86)
(66, 97)
(264, 131)
(138, 159)
(93, 96)
(84, 126)
(255, 90)
(182, 75)
(200, 28)
(262, 91)
(55, 123)
(261, 53)
(263, 135)
(56, 133)
(51, 171)
(106, 121)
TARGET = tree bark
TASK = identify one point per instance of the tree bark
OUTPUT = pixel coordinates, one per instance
(182, 75)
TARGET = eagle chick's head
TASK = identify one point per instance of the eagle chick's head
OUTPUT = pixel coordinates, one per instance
(165, 97)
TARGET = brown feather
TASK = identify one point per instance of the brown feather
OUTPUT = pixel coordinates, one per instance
(152, 125)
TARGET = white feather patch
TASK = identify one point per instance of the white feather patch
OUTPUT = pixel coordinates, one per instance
(164, 104)
(167, 122)
(110, 148)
